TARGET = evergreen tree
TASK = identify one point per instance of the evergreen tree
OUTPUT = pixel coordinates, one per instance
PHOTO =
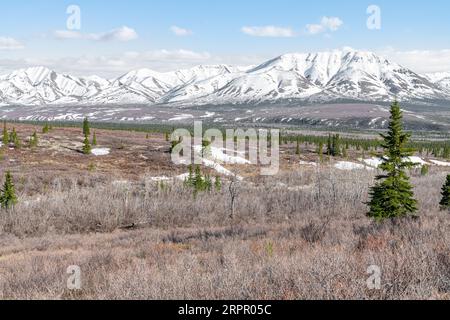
(14, 138)
(217, 184)
(45, 129)
(424, 170)
(86, 146)
(392, 196)
(34, 140)
(86, 128)
(320, 152)
(297, 149)
(198, 179)
(207, 183)
(329, 145)
(94, 139)
(445, 202)
(5, 139)
(8, 195)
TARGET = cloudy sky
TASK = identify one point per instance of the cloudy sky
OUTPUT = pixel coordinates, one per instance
(109, 38)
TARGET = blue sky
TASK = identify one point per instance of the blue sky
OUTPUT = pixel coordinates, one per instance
(120, 35)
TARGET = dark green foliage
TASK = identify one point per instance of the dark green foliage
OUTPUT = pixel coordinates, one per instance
(199, 182)
(94, 139)
(217, 184)
(5, 138)
(392, 196)
(46, 129)
(86, 146)
(34, 140)
(8, 195)
(86, 127)
(297, 148)
(320, 151)
(445, 202)
(14, 138)
(424, 170)
(333, 145)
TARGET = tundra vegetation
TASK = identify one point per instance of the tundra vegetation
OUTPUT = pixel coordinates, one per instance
(140, 227)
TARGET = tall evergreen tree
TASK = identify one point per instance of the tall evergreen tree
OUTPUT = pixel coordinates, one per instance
(297, 149)
(5, 138)
(94, 139)
(8, 195)
(34, 140)
(86, 128)
(445, 202)
(86, 146)
(392, 196)
(217, 184)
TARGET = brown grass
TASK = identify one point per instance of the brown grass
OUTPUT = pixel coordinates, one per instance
(302, 234)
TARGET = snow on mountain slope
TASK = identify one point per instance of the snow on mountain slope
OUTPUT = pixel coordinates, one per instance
(441, 79)
(323, 76)
(39, 85)
(327, 75)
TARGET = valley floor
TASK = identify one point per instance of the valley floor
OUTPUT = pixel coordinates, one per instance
(134, 234)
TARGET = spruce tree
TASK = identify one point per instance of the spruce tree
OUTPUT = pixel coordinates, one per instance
(34, 140)
(86, 128)
(297, 149)
(445, 202)
(86, 146)
(94, 139)
(45, 129)
(217, 184)
(5, 139)
(392, 196)
(8, 195)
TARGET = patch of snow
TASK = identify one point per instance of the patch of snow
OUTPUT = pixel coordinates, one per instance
(348, 166)
(218, 155)
(100, 151)
(305, 163)
(440, 163)
(181, 117)
(417, 160)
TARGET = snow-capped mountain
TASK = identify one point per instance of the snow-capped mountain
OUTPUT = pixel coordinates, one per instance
(441, 79)
(324, 76)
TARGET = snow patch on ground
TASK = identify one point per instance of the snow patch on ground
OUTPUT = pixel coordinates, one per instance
(219, 155)
(345, 165)
(305, 163)
(440, 163)
(101, 151)
(376, 162)
(181, 117)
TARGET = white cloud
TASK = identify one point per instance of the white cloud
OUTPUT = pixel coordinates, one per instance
(110, 66)
(327, 24)
(421, 61)
(7, 43)
(269, 31)
(120, 34)
(67, 34)
(180, 32)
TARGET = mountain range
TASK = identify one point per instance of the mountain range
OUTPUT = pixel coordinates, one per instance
(315, 77)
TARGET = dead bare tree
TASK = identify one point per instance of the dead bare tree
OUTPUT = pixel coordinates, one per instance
(233, 190)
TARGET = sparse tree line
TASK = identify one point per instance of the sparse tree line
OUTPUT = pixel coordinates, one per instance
(390, 197)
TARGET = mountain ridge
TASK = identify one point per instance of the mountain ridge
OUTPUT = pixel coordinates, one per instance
(322, 76)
